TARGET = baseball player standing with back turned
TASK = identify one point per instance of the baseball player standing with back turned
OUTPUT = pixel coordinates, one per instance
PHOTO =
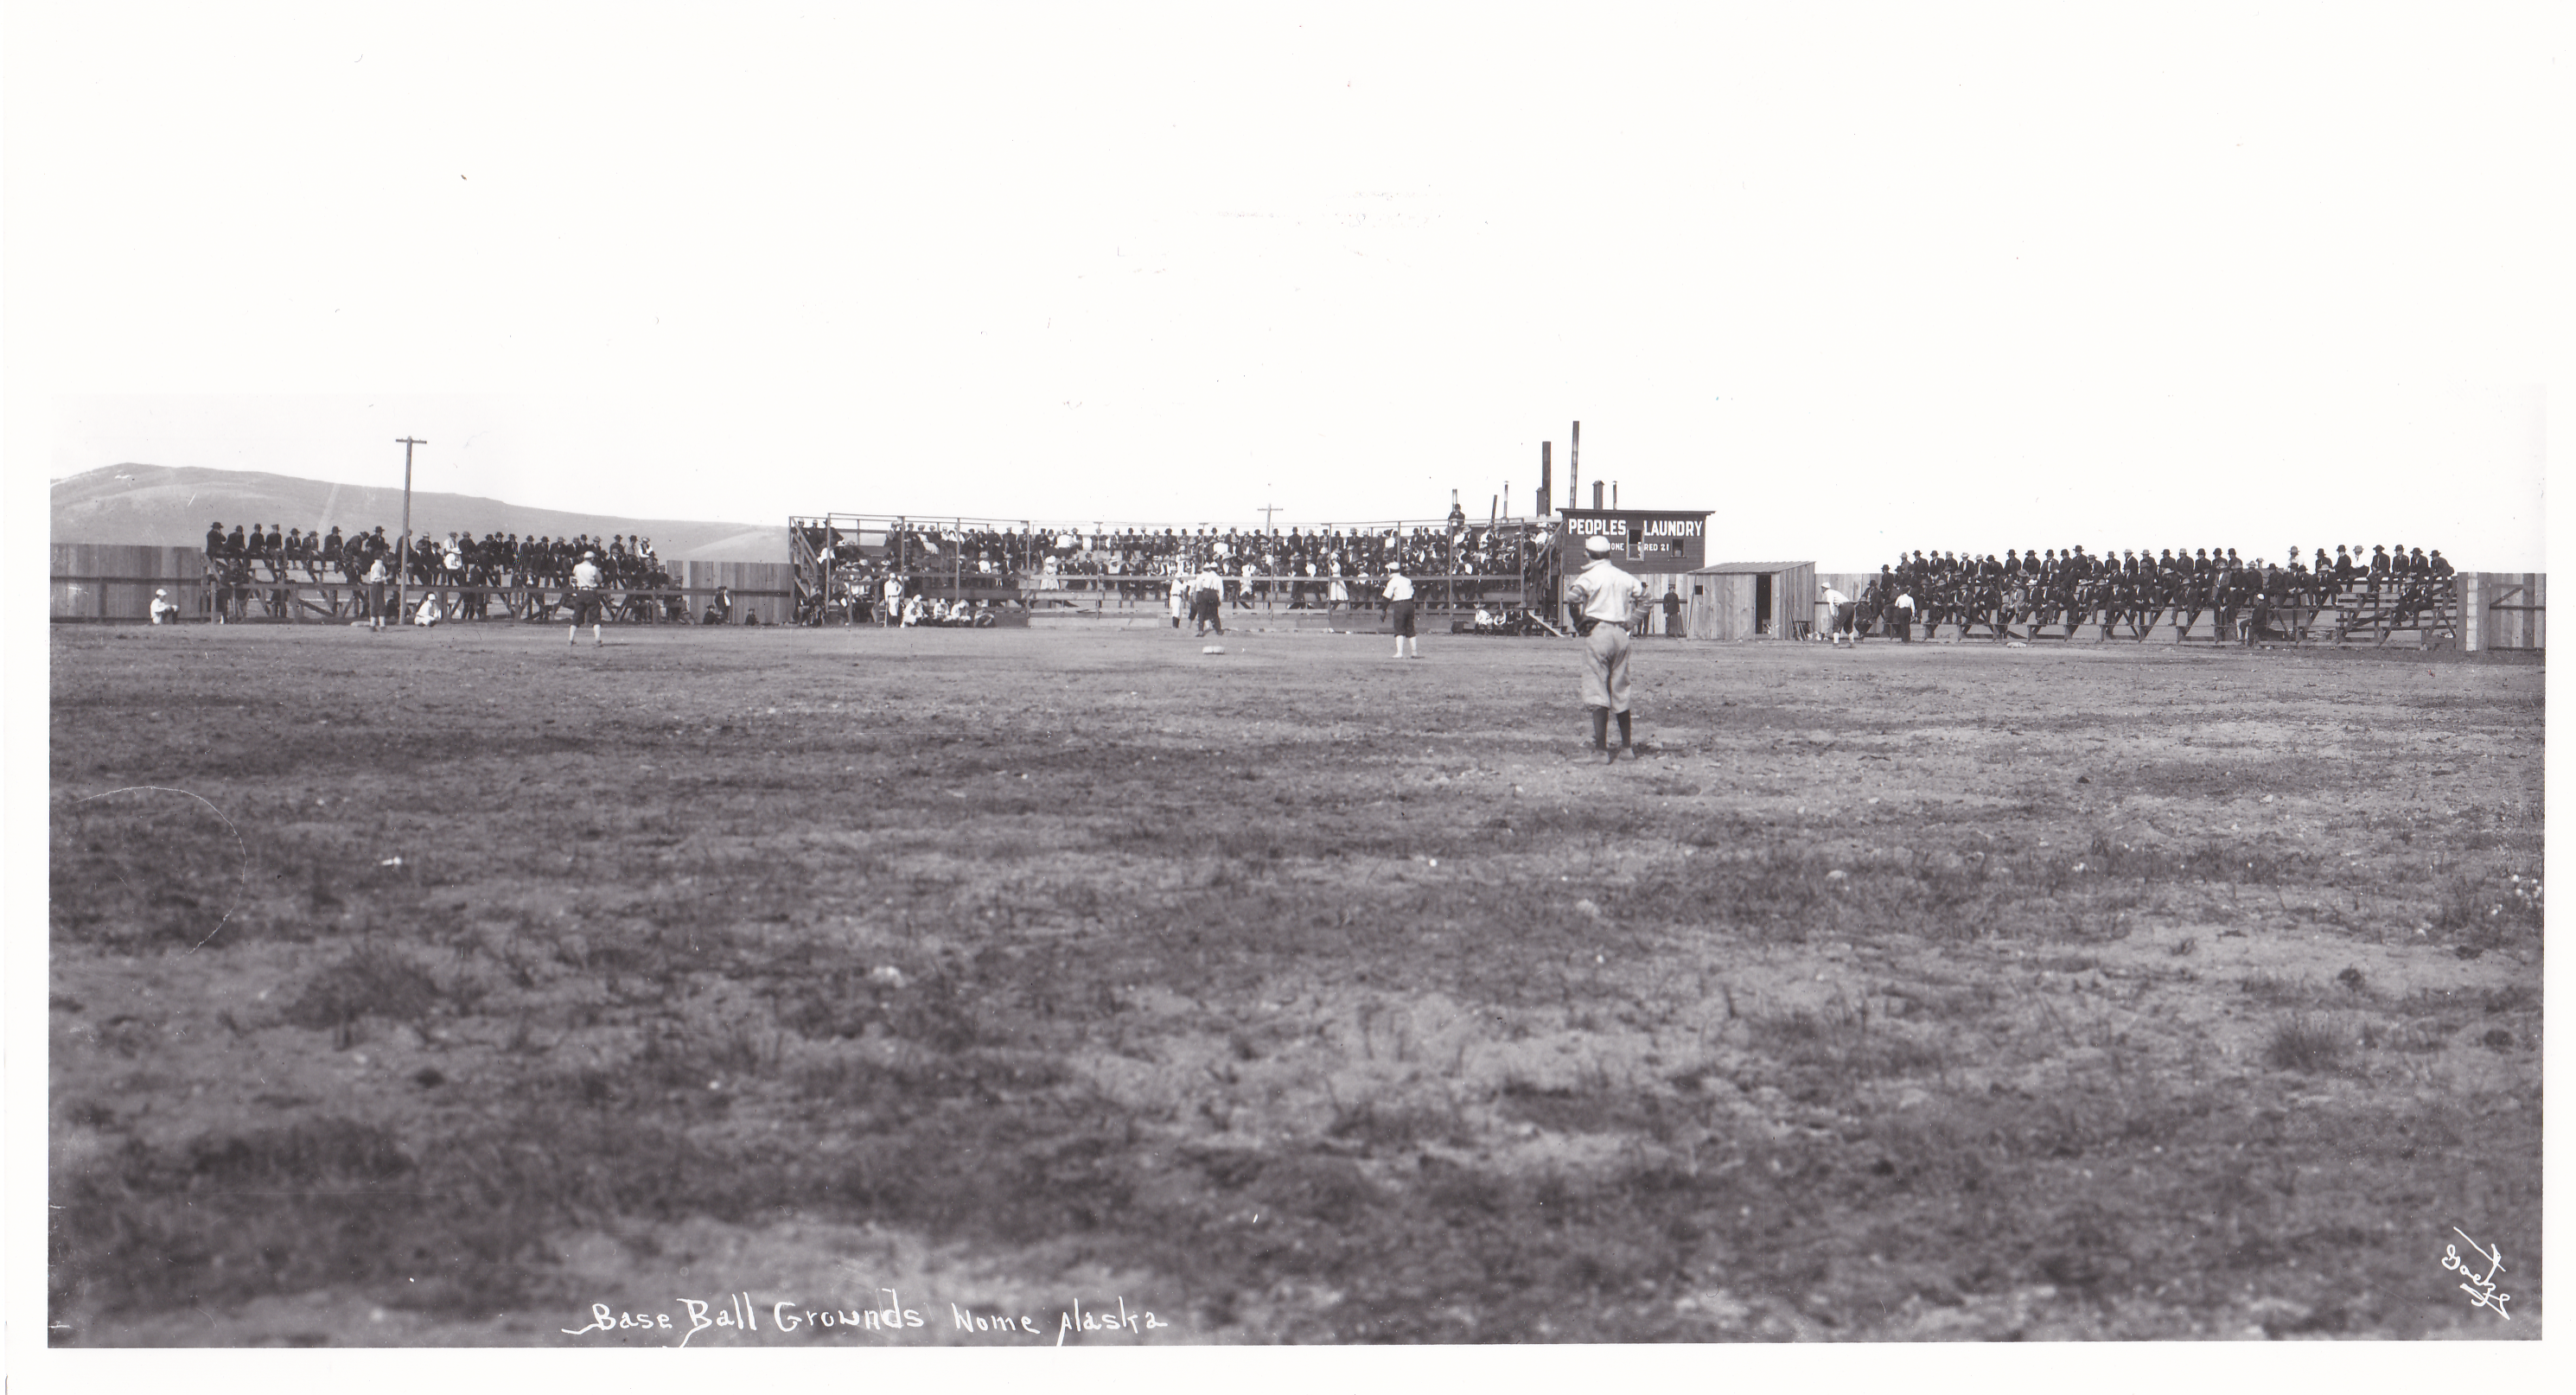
(1603, 598)
(1399, 597)
(585, 599)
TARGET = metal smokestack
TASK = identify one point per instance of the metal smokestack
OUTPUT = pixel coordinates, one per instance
(1546, 499)
(1596, 495)
(1574, 471)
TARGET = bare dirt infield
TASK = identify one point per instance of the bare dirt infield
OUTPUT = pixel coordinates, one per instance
(433, 987)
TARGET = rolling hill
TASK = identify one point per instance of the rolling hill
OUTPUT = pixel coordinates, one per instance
(156, 505)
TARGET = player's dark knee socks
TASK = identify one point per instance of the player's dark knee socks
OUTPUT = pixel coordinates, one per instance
(1623, 728)
(1600, 728)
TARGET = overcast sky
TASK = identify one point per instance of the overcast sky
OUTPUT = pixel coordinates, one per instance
(1856, 279)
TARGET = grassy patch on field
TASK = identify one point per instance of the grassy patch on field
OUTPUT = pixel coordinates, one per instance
(1344, 1028)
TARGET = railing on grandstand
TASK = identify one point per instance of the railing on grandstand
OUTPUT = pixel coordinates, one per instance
(841, 561)
(328, 594)
(854, 603)
(2431, 606)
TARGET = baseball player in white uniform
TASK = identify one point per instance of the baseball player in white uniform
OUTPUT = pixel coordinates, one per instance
(1842, 609)
(1207, 599)
(378, 578)
(1603, 598)
(585, 599)
(1399, 601)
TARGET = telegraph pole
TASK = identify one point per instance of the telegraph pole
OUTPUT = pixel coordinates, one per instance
(402, 572)
(1268, 512)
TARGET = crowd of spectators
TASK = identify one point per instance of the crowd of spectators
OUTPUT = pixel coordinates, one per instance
(1296, 567)
(250, 567)
(2392, 586)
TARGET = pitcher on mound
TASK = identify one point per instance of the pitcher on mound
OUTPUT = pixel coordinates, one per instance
(1603, 598)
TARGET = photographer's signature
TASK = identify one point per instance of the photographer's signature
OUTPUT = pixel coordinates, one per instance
(2480, 1288)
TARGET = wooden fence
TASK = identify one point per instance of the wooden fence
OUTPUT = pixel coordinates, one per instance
(114, 581)
(109, 582)
(2510, 608)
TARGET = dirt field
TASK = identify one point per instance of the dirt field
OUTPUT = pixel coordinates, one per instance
(433, 988)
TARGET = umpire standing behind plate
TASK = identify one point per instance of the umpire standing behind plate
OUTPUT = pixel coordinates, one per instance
(1603, 597)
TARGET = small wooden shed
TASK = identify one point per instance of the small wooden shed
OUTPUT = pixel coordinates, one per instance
(1751, 600)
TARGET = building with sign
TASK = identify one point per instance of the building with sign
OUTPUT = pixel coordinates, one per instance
(1656, 544)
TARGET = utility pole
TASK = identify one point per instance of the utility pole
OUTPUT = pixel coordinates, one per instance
(402, 569)
(1268, 511)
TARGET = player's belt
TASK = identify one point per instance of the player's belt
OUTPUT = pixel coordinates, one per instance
(1618, 624)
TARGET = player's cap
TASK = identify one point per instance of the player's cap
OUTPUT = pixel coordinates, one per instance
(589, 556)
(159, 592)
(1596, 546)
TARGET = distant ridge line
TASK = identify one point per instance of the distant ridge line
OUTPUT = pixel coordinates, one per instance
(167, 506)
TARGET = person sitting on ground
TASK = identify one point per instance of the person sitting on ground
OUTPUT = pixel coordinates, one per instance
(720, 609)
(164, 610)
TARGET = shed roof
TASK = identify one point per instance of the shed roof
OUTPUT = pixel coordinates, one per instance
(1748, 568)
